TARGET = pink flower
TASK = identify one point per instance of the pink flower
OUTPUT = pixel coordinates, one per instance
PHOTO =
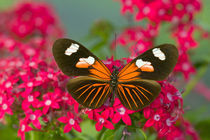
(50, 100)
(8, 84)
(102, 121)
(31, 99)
(156, 119)
(70, 122)
(29, 85)
(5, 106)
(121, 113)
(23, 128)
(34, 117)
(184, 65)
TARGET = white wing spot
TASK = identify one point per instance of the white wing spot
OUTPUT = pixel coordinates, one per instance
(72, 49)
(158, 53)
(90, 60)
(140, 63)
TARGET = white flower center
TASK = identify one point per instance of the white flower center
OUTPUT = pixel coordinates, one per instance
(30, 51)
(48, 102)
(32, 117)
(38, 78)
(175, 19)
(170, 97)
(185, 66)
(8, 84)
(50, 75)
(168, 122)
(161, 12)
(183, 34)
(30, 98)
(71, 121)
(30, 84)
(101, 120)
(122, 111)
(1, 99)
(157, 117)
(23, 127)
(146, 10)
(4, 106)
(65, 98)
(32, 64)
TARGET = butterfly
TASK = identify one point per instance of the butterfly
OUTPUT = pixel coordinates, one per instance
(135, 85)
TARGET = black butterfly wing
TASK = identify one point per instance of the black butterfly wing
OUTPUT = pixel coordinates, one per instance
(88, 91)
(75, 60)
(154, 64)
(137, 94)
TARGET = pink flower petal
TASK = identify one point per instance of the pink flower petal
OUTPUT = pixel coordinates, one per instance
(149, 123)
(108, 125)
(98, 126)
(116, 118)
(126, 119)
(63, 119)
(67, 128)
(77, 127)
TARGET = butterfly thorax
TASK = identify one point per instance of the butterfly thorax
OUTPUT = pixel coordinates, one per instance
(114, 78)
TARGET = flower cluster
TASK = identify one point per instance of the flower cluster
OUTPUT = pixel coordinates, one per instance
(32, 89)
(179, 14)
(31, 86)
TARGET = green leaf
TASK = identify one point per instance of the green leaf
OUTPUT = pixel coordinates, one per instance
(119, 132)
(5, 3)
(203, 129)
(108, 135)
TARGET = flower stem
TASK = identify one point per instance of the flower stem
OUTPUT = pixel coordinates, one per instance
(32, 135)
(195, 80)
(143, 133)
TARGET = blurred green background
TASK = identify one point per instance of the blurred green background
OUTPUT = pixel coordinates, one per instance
(78, 16)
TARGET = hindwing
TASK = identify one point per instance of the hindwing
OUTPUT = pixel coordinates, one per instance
(137, 94)
(88, 91)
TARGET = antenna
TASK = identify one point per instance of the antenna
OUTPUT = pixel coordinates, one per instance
(115, 46)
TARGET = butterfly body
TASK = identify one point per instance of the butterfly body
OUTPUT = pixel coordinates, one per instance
(135, 85)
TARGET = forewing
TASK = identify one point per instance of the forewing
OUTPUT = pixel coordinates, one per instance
(75, 60)
(88, 91)
(154, 64)
(135, 95)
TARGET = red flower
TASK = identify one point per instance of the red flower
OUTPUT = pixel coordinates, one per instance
(34, 117)
(102, 121)
(23, 128)
(51, 101)
(157, 119)
(70, 122)
(5, 106)
(121, 113)
(31, 99)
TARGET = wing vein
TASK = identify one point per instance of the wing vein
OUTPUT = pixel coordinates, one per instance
(121, 88)
(138, 96)
(89, 95)
(95, 95)
(143, 94)
(131, 96)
